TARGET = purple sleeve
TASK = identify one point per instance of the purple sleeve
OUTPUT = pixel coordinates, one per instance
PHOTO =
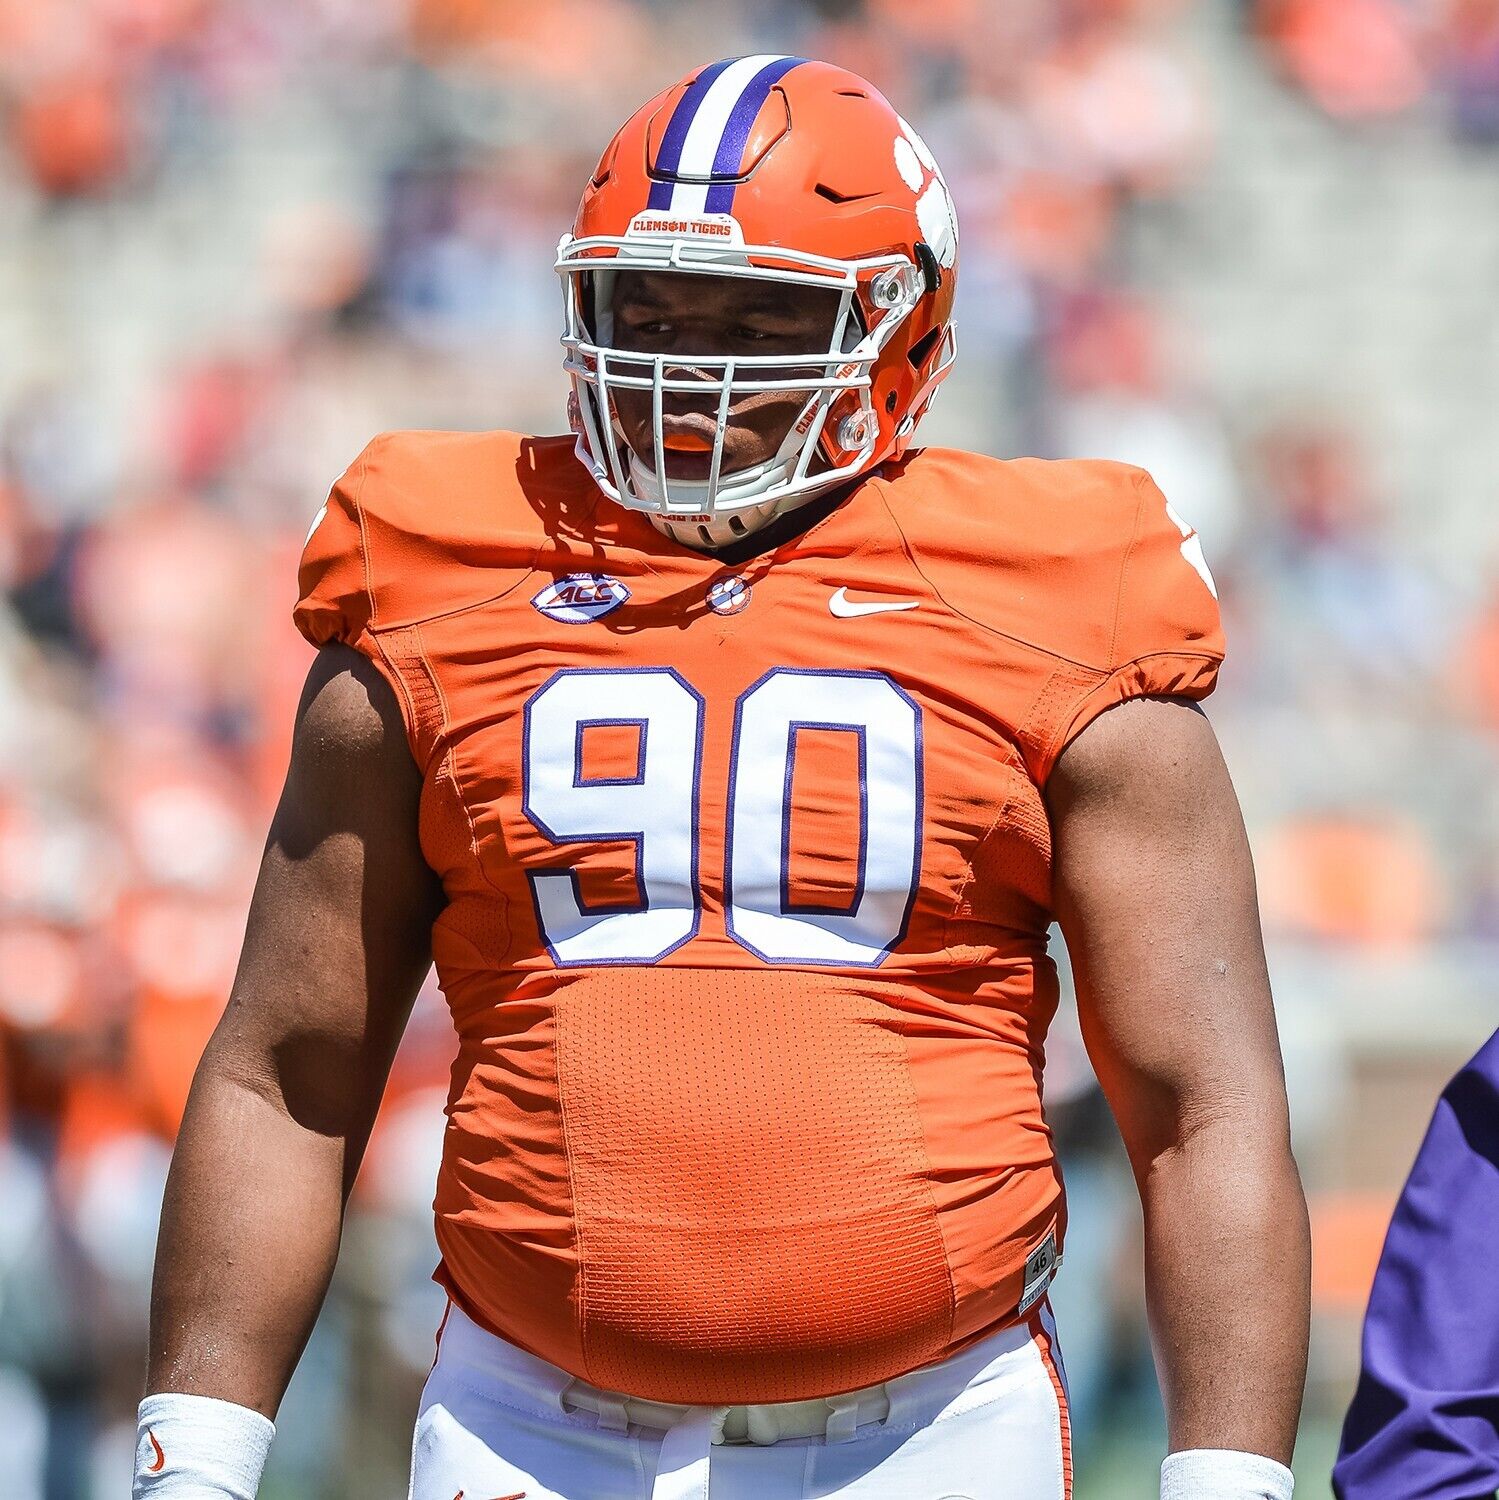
(1424, 1424)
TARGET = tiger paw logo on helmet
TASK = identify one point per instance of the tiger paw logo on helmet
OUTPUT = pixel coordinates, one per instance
(787, 171)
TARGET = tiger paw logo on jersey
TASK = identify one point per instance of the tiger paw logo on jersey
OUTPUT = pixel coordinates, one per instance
(581, 597)
(728, 596)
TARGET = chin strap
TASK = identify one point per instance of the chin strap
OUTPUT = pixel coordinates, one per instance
(708, 531)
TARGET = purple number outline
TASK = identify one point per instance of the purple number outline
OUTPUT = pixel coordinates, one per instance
(579, 779)
(919, 789)
(633, 837)
(790, 908)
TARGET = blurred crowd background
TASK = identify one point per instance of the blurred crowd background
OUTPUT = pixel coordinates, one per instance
(1253, 246)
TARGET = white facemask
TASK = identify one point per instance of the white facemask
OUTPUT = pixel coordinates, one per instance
(727, 506)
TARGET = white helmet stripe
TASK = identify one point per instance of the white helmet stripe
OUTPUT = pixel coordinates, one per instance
(706, 133)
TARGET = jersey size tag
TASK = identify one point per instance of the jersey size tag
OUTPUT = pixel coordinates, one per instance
(1040, 1267)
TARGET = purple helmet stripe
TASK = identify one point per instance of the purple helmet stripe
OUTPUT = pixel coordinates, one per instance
(675, 136)
(730, 154)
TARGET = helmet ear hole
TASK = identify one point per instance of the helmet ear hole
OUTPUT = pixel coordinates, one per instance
(921, 350)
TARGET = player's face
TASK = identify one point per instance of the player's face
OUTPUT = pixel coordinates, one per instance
(662, 312)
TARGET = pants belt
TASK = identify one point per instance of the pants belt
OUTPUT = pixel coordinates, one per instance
(833, 1417)
(689, 1433)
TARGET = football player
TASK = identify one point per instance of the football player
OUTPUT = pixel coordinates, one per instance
(731, 758)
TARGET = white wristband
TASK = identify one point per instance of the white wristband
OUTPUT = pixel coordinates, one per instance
(199, 1448)
(1224, 1474)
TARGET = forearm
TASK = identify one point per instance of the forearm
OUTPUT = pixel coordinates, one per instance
(1228, 1268)
(249, 1236)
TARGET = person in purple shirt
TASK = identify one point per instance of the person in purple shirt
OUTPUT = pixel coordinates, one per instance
(1424, 1423)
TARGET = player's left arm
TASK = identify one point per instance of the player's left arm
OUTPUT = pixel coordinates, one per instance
(1155, 893)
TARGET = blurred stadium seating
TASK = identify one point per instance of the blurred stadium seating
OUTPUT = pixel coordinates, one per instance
(1250, 245)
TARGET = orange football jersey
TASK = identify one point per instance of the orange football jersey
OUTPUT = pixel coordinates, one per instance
(748, 878)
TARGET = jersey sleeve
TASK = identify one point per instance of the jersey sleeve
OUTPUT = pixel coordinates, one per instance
(425, 523)
(1156, 601)
(335, 601)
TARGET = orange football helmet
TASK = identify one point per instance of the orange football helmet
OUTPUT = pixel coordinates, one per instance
(784, 170)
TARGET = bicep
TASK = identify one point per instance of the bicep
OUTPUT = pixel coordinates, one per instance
(1154, 891)
(338, 937)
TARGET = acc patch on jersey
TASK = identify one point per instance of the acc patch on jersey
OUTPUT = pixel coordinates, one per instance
(581, 597)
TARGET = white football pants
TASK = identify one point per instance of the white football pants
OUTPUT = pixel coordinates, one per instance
(496, 1423)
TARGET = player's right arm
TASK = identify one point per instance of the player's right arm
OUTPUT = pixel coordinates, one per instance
(336, 947)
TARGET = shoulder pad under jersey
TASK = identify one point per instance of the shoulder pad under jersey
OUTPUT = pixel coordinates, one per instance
(422, 523)
(1083, 562)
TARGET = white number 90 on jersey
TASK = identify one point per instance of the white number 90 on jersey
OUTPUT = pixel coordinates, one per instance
(658, 811)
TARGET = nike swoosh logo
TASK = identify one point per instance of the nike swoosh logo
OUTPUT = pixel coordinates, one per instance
(845, 608)
(161, 1458)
